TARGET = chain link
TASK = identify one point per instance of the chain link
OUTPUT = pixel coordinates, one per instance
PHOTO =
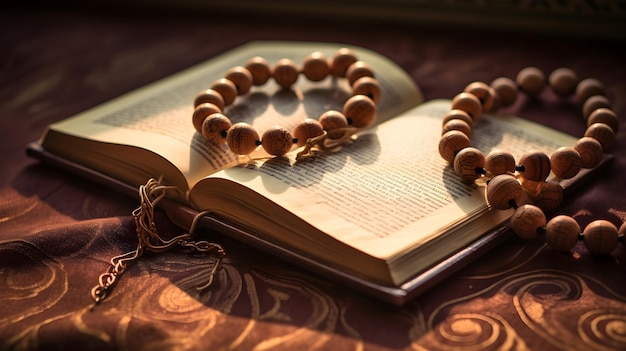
(149, 239)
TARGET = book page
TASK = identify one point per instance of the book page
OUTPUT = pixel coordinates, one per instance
(390, 190)
(159, 117)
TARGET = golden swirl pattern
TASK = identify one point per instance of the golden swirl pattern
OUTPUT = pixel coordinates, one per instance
(603, 329)
(29, 278)
(473, 331)
(539, 299)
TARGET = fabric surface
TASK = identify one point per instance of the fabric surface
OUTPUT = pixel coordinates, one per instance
(58, 231)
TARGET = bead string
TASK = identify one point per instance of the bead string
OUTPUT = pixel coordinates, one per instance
(330, 130)
(507, 182)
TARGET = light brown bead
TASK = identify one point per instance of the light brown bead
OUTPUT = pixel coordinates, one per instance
(562, 233)
(341, 60)
(209, 96)
(503, 192)
(622, 230)
(285, 73)
(590, 151)
(468, 103)
(332, 121)
(215, 128)
(506, 90)
(527, 220)
(593, 103)
(277, 141)
(588, 88)
(536, 166)
(565, 162)
(315, 67)
(606, 116)
(360, 111)
(549, 196)
(201, 112)
(483, 92)
(227, 89)
(242, 138)
(531, 80)
(242, 78)
(499, 162)
(603, 134)
(530, 187)
(260, 70)
(563, 81)
(600, 237)
(497, 103)
(467, 164)
(457, 114)
(358, 70)
(369, 87)
(451, 143)
(457, 124)
(310, 128)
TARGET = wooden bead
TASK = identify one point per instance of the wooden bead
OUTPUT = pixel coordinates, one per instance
(590, 151)
(563, 81)
(360, 111)
(277, 141)
(483, 92)
(531, 80)
(215, 128)
(499, 162)
(503, 191)
(565, 162)
(467, 164)
(468, 103)
(451, 143)
(588, 88)
(306, 130)
(606, 116)
(260, 70)
(209, 96)
(526, 220)
(603, 134)
(201, 112)
(367, 86)
(332, 121)
(536, 166)
(593, 103)
(457, 124)
(315, 67)
(549, 196)
(358, 70)
(227, 89)
(457, 114)
(497, 104)
(530, 187)
(341, 60)
(600, 237)
(285, 73)
(562, 233)
(242, 138)
(506, 90)
(622, 230)
(242, 78)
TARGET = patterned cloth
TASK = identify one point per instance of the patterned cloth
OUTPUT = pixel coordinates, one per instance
(58, 231)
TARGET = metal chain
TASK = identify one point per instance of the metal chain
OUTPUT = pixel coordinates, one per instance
(149, 239)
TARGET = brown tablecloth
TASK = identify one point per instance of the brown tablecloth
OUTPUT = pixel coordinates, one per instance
(58, 231)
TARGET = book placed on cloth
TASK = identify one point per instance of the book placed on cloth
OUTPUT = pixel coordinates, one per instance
(384, 213)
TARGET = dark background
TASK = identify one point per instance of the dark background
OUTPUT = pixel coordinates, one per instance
(58, 231)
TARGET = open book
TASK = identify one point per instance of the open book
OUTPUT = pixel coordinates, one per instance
(384, 212)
